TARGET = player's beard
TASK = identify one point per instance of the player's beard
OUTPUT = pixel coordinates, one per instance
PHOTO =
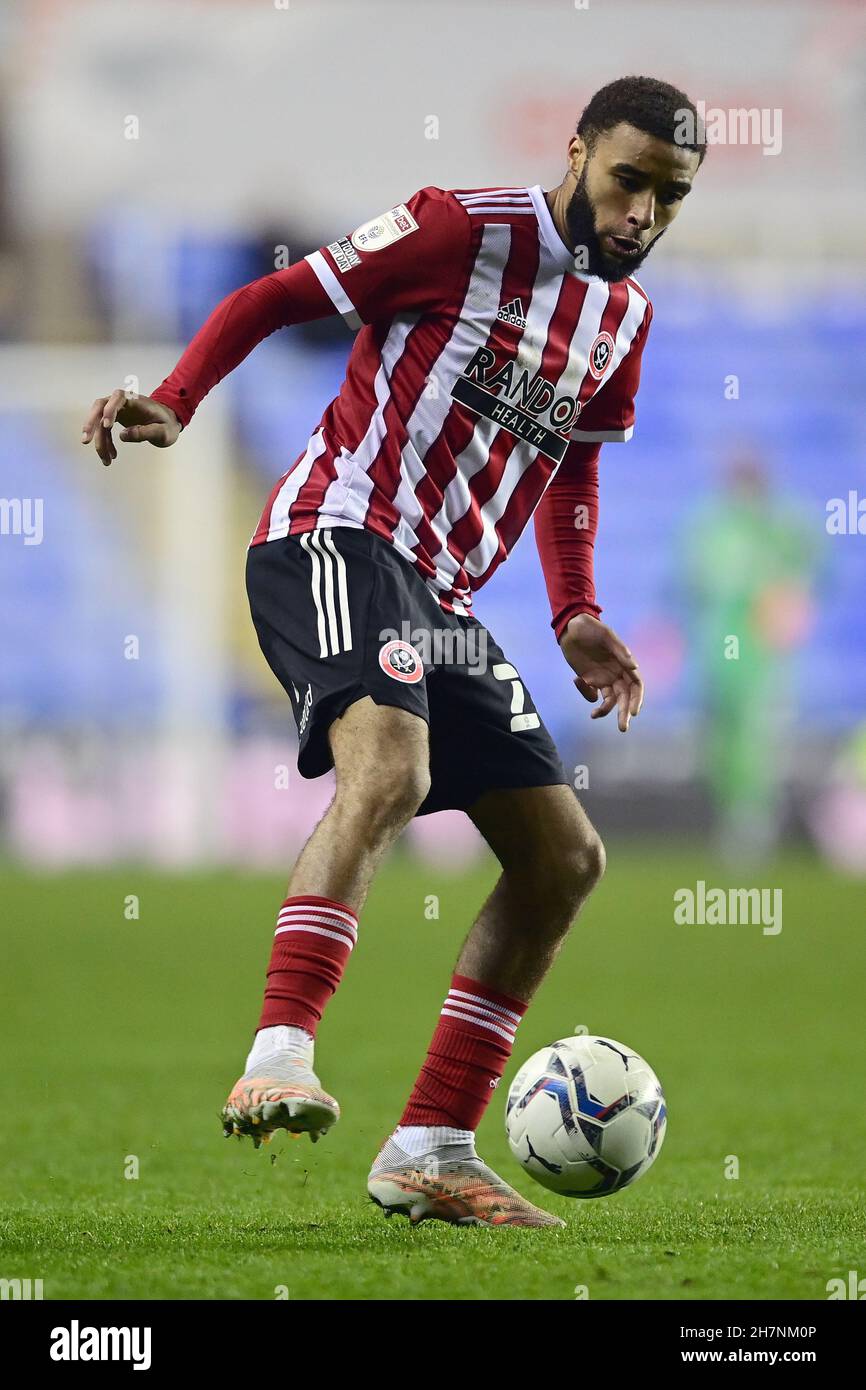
(590, 257)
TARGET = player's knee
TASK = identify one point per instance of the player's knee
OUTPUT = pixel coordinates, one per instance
(592, 860)
(385, 798)
(401, 794)
(580, 866)
(382, 759)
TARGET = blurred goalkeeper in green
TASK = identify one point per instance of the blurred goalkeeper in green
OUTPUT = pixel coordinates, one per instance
(749, 565)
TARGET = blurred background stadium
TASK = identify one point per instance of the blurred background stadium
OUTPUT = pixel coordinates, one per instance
(153, 157)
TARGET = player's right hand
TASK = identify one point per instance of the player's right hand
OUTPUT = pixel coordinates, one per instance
(144, 421)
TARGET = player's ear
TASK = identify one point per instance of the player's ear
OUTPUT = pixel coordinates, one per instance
(577, 153)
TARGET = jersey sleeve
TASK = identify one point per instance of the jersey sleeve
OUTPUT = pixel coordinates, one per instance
(566, 523)
(609, 415)
(241, 321)
(407, 259)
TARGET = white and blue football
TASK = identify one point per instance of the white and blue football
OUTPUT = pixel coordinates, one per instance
(586, 1116)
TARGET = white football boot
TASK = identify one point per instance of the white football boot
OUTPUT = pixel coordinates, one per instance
(279, 1092)
(452, 1184)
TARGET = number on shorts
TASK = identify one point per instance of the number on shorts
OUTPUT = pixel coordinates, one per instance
(521, 719)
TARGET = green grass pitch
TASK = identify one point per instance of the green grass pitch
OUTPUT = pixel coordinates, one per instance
(122, 1038)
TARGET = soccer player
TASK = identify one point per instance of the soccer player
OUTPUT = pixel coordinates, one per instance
(500, 342)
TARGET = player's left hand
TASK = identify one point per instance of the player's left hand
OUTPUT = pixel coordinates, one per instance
(605, 666)
(144, 421)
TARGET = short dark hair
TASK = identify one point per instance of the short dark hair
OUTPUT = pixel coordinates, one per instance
(649, 104)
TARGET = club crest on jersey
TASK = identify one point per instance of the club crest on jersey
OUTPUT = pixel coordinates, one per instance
(385, 230)
(600, 355)
(401, 662)
(527, 406)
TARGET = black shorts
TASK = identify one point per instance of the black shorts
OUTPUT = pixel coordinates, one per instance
(340, 614)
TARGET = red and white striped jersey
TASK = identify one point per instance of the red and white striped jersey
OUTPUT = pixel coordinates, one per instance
(482, 353)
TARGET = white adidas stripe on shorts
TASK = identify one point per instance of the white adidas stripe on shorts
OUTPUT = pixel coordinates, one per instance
(330, 590)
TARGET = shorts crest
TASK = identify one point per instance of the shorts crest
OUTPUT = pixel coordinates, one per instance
(401, 662)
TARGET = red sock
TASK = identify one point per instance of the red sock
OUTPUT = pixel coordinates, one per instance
(312, 944)
(466, 1058)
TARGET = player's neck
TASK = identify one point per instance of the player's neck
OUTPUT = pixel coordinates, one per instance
(558, 200)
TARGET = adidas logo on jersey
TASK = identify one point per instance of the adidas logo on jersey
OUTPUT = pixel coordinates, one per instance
(512, 313)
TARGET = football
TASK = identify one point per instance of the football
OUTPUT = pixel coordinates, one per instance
(585, 1116)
